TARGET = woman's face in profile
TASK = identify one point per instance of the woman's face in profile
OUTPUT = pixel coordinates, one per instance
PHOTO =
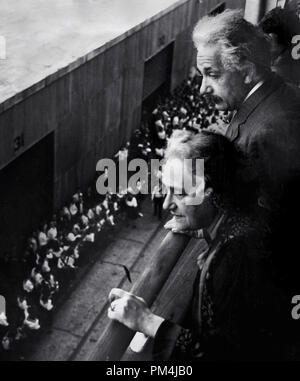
(185, 195)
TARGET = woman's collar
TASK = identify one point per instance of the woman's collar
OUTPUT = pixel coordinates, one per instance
(210, 233)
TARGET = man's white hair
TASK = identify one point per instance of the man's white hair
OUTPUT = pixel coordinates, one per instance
(240, 41)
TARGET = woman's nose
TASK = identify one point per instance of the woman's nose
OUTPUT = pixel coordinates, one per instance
(168, 202)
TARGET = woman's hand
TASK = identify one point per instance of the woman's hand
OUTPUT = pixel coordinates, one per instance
(133, 312)
(179, 225)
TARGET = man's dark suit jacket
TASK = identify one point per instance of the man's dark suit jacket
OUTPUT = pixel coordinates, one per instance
(266, 134)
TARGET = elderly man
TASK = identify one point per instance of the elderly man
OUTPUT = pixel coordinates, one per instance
(237, 312)
(234, 60)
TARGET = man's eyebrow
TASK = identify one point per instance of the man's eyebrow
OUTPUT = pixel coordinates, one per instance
(210, 69)
(206, 70)
(199, 72)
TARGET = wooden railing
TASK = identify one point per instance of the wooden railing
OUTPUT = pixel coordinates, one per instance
(166, 286)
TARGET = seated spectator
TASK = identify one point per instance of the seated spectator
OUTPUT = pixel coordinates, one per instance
(76, 230)
(3, 320)
(73, 209)
(36, 276)
(59, 248)
(89, 237)
(66, 214)
(45, 266)
(7, 340)
(32, 242)
(3, 330)
(28, 285)
(52, 235)
(100, 217)
(183, 111)
(159, 125)
(147, 151)
(159, 152)
(53, 284)
(110, 217)
(49, 254)
(162, 138)
(72, 236)
(175, 122)
(78, 200)
(122, 154)
(115, 203)
(29, 321)
(67, 259)
(105, 202)
(98, 209)
(29, 294)
(84, 222)
(42, 235)
(52, 231)
(45, 295)
(166, 116)
(90, 214)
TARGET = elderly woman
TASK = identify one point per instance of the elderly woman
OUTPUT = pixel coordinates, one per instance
(237, 311)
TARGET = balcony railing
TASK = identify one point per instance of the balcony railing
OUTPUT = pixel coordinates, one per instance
(166, 286)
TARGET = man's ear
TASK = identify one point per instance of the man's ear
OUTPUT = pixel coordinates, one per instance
(247, 80)
(249, 73)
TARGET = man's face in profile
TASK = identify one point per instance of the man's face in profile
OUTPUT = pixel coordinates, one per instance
(227, 88)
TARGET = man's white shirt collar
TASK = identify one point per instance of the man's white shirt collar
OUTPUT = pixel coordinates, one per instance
(254, 88)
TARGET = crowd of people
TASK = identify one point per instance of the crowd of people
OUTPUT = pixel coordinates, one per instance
(53, 253)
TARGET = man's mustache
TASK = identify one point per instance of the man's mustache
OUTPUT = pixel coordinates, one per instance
(213, 98)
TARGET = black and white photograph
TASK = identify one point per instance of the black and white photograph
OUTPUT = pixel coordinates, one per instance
(149, 183)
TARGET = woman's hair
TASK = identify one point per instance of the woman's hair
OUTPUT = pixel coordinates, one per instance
(217, 152)
(239, 41)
